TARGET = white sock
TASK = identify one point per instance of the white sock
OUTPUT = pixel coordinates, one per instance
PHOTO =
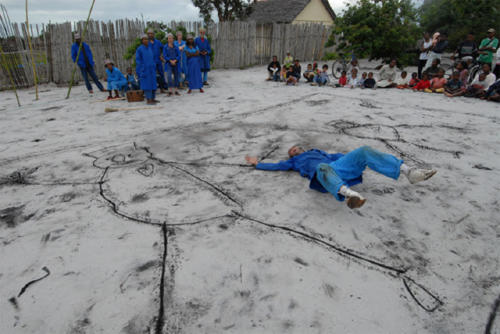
(348, 192)
(405, 169)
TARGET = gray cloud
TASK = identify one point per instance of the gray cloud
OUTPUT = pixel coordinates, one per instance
(43, 11)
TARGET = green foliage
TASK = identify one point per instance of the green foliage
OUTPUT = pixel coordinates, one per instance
(330, 56)
(378, 29)
(227, 10)
(458, 18)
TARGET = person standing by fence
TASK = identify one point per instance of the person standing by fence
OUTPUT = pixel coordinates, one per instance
(180, 44)
(85, 63)
(424, 46)
(157, 48)
(171, 55)
(205, 50)
(146, 69)
(193, 65)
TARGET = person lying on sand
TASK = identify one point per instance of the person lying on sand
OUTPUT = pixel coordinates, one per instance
(336, 173)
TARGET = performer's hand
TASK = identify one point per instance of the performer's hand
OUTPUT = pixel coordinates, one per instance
(252, 160)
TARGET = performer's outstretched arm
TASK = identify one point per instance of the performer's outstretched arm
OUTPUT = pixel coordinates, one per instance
(282, 165)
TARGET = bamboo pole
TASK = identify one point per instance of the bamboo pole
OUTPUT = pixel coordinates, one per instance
(35, 78)
(80, 49)
(4, 64)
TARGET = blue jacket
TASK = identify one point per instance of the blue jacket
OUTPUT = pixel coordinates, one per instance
(146, 67)
(81, 59)
(171, 54)
(204, 59)
(306, 164)
(116, 75)
(157, 50)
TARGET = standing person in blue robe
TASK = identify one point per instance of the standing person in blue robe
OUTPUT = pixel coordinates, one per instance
(146, 69)
(116, 80)
(205, 50)
(193, 65)
(172, 56)
(180, 44)
(85, 63)
(157, 48)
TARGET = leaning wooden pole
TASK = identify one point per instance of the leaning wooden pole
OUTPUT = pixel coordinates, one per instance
(6, 67)
(80, 49)
(33, 65)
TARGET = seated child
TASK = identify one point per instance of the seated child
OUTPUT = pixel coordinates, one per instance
(353, 80)
(290, 78)
(464, 72)
(132, 82)
(493, 93)
(362, 80)
(296, 69)
(454, 87)
(342, 79)
(423, 84)
(437, 83)
(477, 87)
(274, 69)
(370, 82)
(322, 78)
(414, 80)
(309, 73)
(284, 71)
(116, 80)
(403, 82)
(433, 70)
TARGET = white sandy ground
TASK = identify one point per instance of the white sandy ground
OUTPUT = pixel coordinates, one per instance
(247, 251)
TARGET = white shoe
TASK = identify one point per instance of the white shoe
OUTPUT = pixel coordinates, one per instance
(354, 199)
(416, 175)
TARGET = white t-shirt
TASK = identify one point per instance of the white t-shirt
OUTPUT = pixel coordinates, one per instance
(490, 80)
(402, 82)
(425, 55)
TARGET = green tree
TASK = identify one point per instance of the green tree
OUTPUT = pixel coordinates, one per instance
(458, 18)
(378, 29)
(227, 10)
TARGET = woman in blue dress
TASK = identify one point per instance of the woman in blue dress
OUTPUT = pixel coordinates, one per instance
(146, 69)
(193, 65)
(180, 44)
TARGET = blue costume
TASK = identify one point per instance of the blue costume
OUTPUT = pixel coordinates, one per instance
(329, 172)
(86, 64)
(133, 83)
(157, 52)
(193, 69)
(116, 80)
(172, 53)
(204, 45)
(183, 61)
(146, 70)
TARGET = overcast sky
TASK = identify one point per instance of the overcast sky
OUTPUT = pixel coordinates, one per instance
(43, 11)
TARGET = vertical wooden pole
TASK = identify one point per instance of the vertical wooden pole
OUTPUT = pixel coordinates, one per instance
(35, 79)
(6, 67)
(79, 50)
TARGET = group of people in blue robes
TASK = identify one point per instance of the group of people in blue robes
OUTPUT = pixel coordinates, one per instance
(168, 66)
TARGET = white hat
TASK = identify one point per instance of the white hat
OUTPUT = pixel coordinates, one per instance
(144, 36)
(150, 31)
(108, 61)
(77, 36)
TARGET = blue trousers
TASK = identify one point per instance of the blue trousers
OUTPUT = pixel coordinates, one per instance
(351, 166)
(205, 76)
(320, 80)
(172, 71)
(85, 74)
(150, 94)
(118, 85)
(161, 72)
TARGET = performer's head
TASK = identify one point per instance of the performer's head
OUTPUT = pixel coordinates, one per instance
(151, 34)
(295, 150)
(145, 40)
